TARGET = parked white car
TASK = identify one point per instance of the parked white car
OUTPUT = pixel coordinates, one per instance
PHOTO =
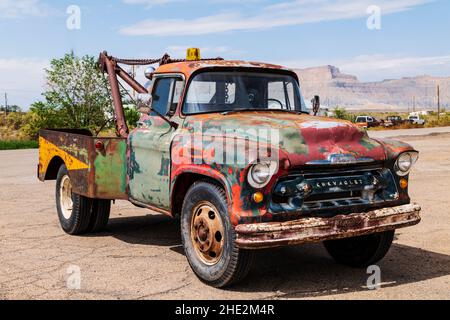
(416, 120)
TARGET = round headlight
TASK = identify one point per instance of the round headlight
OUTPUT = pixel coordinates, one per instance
(405, 162)
(259, 174)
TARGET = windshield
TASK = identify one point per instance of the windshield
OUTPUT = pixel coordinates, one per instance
(229, 91)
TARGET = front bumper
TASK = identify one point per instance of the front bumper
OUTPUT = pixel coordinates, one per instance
(274, 234)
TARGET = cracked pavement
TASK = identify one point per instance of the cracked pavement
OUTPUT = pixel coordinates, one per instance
(140, 255)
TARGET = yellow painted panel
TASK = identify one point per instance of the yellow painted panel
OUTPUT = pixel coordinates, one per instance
(48, 150)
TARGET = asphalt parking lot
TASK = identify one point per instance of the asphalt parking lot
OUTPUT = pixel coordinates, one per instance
(140, 255)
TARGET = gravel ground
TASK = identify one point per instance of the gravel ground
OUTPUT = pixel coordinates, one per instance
(140, 255)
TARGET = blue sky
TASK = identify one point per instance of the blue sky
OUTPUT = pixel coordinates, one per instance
(413, 39)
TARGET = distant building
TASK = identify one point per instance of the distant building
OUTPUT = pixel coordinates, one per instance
(421, 113)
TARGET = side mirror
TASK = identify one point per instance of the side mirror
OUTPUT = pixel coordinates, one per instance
(315, 102)
(149, 72)
(144, 103)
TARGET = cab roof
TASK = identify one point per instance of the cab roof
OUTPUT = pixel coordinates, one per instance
(187, 68)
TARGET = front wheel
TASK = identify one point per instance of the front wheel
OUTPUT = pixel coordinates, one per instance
(362, 251)
(209, 239)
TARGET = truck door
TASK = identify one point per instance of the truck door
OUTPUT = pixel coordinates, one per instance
(149, 157)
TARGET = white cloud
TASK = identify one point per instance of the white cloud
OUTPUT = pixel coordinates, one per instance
(378, 67)
(278, 15)
(398, 64)
(151, 3)
(23, 8)
(23, 79)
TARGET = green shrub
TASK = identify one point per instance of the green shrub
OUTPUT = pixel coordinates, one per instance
(443, 121)
(18, 144)
(15, 120)
(342, 113)
(132, 115)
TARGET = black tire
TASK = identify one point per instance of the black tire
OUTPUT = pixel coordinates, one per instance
(234, 263)
(360, 252)
(79, 220)
(100, 215)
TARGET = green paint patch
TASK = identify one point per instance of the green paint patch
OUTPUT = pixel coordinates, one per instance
(111, 169)
(293, 142)
(368, 144)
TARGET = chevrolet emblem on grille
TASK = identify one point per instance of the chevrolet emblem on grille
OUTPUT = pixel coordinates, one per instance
(340, 183)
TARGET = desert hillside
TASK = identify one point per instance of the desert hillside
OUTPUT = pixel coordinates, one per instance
(339, 89)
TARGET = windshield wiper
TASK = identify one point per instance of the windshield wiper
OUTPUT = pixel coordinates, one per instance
(238, 110)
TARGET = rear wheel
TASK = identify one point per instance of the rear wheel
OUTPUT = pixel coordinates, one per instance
(209, 239)
(100, 215)
(78, 214)
(360, 252)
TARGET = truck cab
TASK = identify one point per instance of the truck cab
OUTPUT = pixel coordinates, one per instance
(393, 121)
(229, 147)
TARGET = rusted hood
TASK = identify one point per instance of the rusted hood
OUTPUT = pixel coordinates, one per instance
(302, 138)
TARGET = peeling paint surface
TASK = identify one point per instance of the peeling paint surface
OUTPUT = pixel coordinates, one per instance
(94, 173)
(149, 162)
(111, 169)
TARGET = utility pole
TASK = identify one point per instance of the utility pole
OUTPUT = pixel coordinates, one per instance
(6, 105)
(414, 103)
(438, 101)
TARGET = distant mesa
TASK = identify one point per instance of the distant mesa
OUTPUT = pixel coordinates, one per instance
(339, 89)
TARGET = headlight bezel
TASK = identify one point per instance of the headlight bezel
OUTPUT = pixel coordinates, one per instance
(259, 180)
(405, 162)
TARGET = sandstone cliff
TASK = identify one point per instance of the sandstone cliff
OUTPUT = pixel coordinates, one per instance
(339, 89)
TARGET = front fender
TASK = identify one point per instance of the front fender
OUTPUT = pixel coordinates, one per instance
(393, 148)
(203, 170)
(239, 194)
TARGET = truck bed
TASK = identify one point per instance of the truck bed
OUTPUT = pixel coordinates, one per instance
(95, 173)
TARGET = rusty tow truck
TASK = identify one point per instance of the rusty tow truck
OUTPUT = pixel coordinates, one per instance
(228, 147)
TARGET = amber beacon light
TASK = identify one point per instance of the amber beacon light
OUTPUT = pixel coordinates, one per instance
(193, 54)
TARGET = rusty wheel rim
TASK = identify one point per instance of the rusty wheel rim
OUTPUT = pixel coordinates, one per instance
(207, 233)
(65, 197)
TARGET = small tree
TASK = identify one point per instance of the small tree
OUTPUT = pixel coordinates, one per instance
(79, 90)
(42, 116)
(77, 96)
(14, 108)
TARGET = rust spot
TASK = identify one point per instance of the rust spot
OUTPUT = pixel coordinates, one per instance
(273, 234)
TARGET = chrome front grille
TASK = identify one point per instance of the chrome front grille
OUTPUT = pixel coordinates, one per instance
(334, 189)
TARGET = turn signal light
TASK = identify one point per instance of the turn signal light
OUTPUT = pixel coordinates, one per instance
(403, 183)
(258, 197)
